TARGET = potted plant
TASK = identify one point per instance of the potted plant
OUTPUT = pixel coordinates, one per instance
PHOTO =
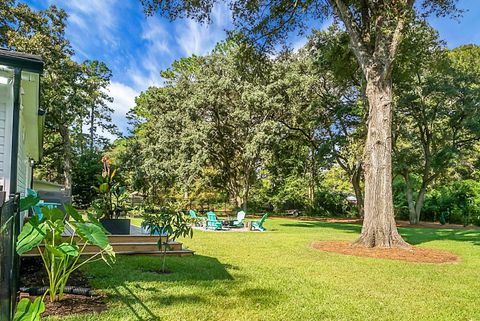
(110, 206)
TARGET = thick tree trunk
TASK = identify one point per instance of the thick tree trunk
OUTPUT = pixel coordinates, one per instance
(67, 160)
(92, 129)
(379, 228)
(356, 176)
(241, 198)
(312, 179)
(412, 215)
(420, 200)
(414, 206)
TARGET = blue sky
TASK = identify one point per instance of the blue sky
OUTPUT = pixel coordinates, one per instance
(137, 48)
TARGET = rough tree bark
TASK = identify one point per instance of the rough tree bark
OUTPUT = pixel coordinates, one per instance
(239, 189)
(414, 205)
(355, 180)
(375, 41)
(312, 179)
(379, 227)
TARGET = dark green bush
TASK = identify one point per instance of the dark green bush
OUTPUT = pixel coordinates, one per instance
(331, 203)
(84, 170)
(458, 202)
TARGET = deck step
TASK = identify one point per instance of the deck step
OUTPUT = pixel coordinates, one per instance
(127, 247)
(134, 238)
(182, 252)
(123, 238)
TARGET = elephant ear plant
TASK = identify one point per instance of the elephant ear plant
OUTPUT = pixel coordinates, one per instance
(60, 254)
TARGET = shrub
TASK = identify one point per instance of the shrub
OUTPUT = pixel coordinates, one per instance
(330, 203)
(169, 224)
(458, 202)
(85, 168)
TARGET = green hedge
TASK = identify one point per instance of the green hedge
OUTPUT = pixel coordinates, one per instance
(459, 202)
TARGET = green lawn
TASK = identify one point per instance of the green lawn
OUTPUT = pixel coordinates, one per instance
(277, 276)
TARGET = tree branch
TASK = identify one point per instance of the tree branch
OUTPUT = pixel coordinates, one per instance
(358, 46)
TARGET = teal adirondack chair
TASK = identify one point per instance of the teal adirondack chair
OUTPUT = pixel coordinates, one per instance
(239, 221)
(37, 209)
(198, 221)
(212, 222)
(193, 214)
(258, 225)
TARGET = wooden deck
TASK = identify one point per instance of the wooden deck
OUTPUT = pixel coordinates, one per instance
(130, 245)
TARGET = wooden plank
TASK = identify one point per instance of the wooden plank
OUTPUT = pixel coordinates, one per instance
(125, 247)
(123, 238)
(147, 253)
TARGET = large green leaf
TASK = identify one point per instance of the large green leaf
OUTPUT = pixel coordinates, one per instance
(108, 255)
(94, 219)
(27, 202)
(68, 249)
(30, 237)
(103, 188)
(28, 310)
(73, 213)
(54, 251)
(91, 233)
(35, 221)
(53, 214)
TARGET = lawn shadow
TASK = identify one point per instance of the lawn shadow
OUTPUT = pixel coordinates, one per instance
(132, 273)
(261, 295)
(416, 236)
(412, 235)
(173, 299)
(351, 228)
(130, 298)
(181, 269)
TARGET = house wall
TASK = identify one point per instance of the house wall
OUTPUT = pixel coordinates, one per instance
(6, 104)
(39, 185)
(28, 127)
(23, 172)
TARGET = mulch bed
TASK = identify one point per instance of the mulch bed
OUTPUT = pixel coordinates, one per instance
(74, 304)
(33, 274)
(415, 254)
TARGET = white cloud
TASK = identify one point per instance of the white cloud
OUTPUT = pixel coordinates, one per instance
(91, 22)
(299, 44)
(123, 101)
(144, 69)
(199, 39)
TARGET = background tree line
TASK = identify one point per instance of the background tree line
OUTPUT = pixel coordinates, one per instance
(244, 129)
(256, 132)
(73, 94)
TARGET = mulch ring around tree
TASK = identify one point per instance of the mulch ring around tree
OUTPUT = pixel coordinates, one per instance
(415, 254)
(33, 274)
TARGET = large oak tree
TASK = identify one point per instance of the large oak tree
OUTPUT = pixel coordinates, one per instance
(375, 29)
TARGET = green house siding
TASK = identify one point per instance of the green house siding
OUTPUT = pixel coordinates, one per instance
(30, 123)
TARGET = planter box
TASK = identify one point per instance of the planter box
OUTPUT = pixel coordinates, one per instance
(119, 226)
